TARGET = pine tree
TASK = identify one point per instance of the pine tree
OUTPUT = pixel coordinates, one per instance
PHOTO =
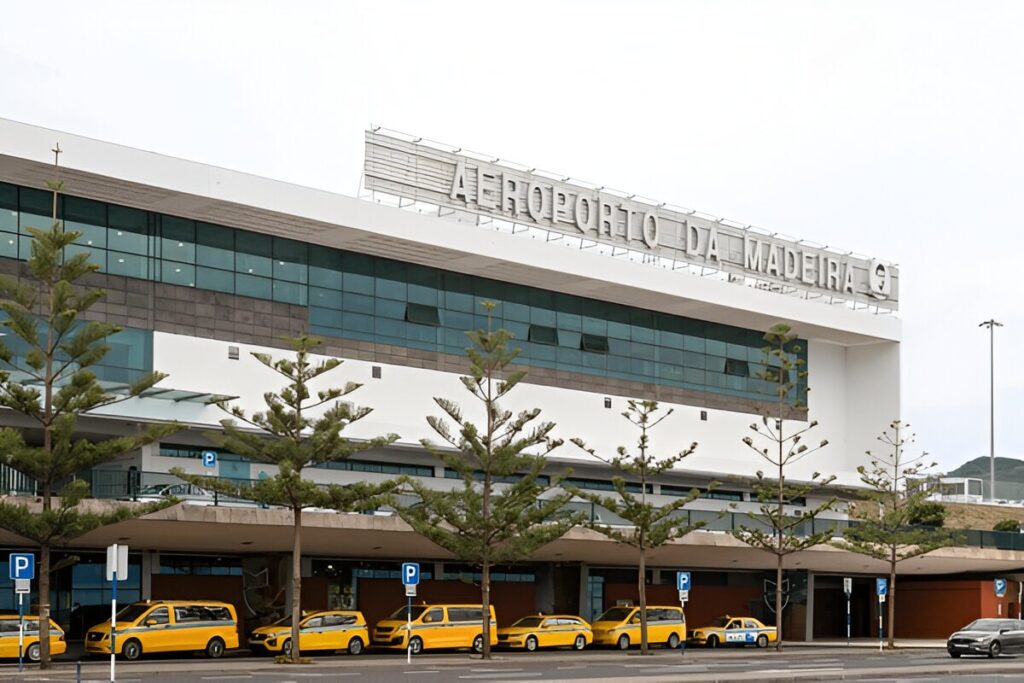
(783, 532)
(893, 496)
(52, 383)
(503, 510)
(298, 430)
(652, 524)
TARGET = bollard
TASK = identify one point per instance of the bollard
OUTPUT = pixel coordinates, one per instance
(78, 671)
(682, 646)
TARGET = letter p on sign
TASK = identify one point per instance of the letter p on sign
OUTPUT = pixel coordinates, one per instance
(410, 574)
(22, 566)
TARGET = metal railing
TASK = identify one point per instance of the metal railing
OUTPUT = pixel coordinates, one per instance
(133, 485)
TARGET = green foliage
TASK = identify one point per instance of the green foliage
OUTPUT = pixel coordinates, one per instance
(1012, 525)
(928, 513)
(500, 511)
(52, 385)
(652, 524)
(301, 427)
(892, 532)
(783, 531)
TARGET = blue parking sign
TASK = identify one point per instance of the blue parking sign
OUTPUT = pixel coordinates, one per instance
(209, 459)
(410, 574)
(1000, 586)
(882, 587)
(22, 566)
(683, 581)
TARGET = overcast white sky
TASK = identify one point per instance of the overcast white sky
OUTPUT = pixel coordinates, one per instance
(890, 128)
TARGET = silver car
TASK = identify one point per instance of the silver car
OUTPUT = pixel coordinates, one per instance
(990, 637)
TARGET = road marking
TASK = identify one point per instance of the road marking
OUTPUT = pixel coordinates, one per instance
(487, 671)
(225, 678)
(511, 674)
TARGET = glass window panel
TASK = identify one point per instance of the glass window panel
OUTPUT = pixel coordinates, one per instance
(357, 303)
(250, 285)
(670, 339)
(570, 321)
(215, 246)
(24, 247)
(357, 283)
(423, 315)
(33, 220)
(128, 230)
(94, 236)
(8, 220)
(618, 347)
(217, 280)
(543, 316)
(8, 196)
(129, 265)
(85, 211)
(97, 256)
(541, 334)
(290, 260)
(715, 347)
(569, 339)
(324, 317)
(420, 294)
(8, 244)
(672, 373)
(737, 351)
(423, 276)
(289, 292)
(177, 239)
(356, 322)
(645, 351)
(694, 360)
(569, 357)
(515, 311)
(459, 321)
(519, 331)
(386, 308)
(618, 330)
(594, 361)
(253, 254)
(543, 352)
(35, 201)
(387, 327)
(327, 298)
(325, 268)
(178, 273)
(390, 288)
(691, 343)
(457, 301)
(455, 339)
(669, 356)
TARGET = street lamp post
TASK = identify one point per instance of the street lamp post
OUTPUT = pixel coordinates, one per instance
(992, 325)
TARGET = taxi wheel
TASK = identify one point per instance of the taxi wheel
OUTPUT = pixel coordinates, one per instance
(762, 641)
(355, 646)
(33, 652)
(623, 642)
(580, 643)
(531, 644)
(478, 644)
(215, 648)
(286, 647)
(416, 645)
(712, 641)
(131, 650)
(673, 641)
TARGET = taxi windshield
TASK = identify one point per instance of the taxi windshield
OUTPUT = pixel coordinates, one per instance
(528, 622)
(132, 612)
(402, 612)
(615, 614)
(720, 622)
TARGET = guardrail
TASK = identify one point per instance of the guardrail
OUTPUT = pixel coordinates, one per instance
(144, 486)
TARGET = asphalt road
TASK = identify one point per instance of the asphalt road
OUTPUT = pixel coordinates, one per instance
(796, 663)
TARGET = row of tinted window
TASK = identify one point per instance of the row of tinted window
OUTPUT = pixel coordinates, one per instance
(363, 297)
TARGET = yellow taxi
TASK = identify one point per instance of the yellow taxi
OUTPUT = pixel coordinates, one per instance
(620, 626)
(435, 627)
(332, 630)
(31, 651)
(168, 626)
(546, 630)
(729, 630)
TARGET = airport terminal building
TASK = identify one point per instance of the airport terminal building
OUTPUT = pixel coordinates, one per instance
(610, 297)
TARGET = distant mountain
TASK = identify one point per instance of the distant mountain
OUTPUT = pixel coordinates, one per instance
(1007, 470)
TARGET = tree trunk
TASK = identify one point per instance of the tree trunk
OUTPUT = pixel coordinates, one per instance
(44, 605)
(778, 604)
(641, 585)
(892, 605)
(485, 593)
(296, 581)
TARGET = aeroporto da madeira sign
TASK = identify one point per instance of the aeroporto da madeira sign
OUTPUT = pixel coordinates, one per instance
(463, 183)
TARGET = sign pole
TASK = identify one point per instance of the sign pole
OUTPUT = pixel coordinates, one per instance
(881, 604)
(21, 631)
(113, 622)
(408, 629)
(847, 620)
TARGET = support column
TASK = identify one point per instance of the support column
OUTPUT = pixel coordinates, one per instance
(544, 588)
(150, 566)
(809, 620)
(585, 592)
